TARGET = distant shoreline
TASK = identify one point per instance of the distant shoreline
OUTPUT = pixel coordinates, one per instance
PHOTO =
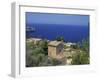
(51, 31)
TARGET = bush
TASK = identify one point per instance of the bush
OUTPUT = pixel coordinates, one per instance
(74, 46)
(54, 62)
(44, 45)
(80, 58)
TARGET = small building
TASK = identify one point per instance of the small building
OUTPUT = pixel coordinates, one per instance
(55, 49)
(34, 40)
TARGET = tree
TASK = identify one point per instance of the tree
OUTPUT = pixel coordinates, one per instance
(60, 38)
(44, 45)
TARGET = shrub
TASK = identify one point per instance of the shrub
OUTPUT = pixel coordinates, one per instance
(74, 46)
(80, 58)
(44, 45)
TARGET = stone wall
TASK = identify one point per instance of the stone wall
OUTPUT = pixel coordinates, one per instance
(52, 51)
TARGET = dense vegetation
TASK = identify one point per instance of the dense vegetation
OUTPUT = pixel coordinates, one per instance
(82, 56)
(37, 55)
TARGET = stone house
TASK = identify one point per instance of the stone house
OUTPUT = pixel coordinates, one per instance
(55, 49)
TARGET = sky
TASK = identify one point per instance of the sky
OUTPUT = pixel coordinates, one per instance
(54, 18)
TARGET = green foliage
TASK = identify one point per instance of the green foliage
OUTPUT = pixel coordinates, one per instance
(60, 38)
(80, 58)
(44, 45)
(29, 45)
(74, 46)
(54, 62)
(37, 50)
(85, 45)
(31, 60)
(37, 55)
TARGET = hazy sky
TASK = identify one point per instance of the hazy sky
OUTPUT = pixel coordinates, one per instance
(48, 18)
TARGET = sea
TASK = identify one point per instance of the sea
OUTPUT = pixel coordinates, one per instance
(71, 33)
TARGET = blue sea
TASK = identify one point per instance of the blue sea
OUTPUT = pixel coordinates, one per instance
(71, 33)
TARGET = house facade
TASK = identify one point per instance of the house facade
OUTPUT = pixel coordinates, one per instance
(55, 49)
